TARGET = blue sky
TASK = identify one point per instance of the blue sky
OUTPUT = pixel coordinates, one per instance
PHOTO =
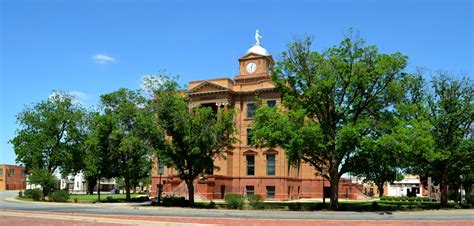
(95, 47)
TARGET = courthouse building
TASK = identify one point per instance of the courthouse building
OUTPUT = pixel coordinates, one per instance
(248, 170)
(12, 177)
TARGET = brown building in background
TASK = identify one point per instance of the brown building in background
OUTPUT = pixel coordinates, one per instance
(12, 177)
(248, 170)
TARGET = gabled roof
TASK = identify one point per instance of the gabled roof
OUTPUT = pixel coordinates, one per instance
(219, 88)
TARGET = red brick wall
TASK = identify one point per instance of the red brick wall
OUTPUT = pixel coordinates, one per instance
(12, 178)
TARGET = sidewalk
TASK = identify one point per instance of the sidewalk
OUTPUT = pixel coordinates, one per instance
(45, 218)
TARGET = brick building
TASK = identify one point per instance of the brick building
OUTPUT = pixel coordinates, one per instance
(12, 177)
(248, 170)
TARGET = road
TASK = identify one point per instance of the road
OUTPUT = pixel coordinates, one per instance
(142, 212)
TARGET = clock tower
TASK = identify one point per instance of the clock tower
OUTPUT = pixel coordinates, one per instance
(256, 63)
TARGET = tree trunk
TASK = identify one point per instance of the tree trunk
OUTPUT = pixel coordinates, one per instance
(380, 188)
(90, 185)
(98, 190)
(443, 186)
(334, 189)
(190, 192)
(444, 192)
(127, 189)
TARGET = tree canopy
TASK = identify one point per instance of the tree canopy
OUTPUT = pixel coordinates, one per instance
(196, 136)
(449, 107)
(330, 98)
(51, 135)
(123, 138)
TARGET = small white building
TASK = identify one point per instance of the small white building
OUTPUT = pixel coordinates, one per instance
(402, 188)
(77, 183)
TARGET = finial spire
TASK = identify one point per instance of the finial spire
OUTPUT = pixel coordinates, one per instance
(257, 37)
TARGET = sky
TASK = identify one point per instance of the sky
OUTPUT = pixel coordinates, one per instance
(93, 47)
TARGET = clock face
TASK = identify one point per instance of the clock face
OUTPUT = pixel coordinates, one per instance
(251, 67)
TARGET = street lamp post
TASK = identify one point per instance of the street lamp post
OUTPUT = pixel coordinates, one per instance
(160, 185)
(461, 200)
(324, 197)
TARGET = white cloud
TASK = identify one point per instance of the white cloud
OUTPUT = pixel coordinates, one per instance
(103, 59)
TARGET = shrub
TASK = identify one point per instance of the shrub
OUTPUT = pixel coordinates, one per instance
(470, 198)
(75, 200)
(375, 206)
(234, 201)
(45, 179)
(35, 194)
(256, 202)
(411, 199)
(175, 201)
(317, 206)
(453, 195)
(383, 198)
(110, 199)
(20, 194)
(60, 196)
(295, 206)
(211, 205)
(140, 199)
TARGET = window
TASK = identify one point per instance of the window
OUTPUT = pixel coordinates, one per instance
(250, 190)
(249, 137)
(250, 110)
(1, 172)
(270, 192)
(77, 184)
(271, 103)
(270, 165)
(213, 107)
(250, 165)
(11, 172)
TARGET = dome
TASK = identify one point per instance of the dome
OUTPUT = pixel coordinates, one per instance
(258, 49)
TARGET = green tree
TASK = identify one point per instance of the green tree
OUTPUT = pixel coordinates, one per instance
(51, 135)
(377, 161)
(196, 136)
(100, 150)
(130, 135)
(392, 138)
(450, 109)
(330, 100)
(45, 179)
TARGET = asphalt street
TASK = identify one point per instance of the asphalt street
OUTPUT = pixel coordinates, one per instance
(8, 202)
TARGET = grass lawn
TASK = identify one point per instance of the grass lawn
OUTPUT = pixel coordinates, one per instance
(104, 196)
(24, 199)
(91, 198)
